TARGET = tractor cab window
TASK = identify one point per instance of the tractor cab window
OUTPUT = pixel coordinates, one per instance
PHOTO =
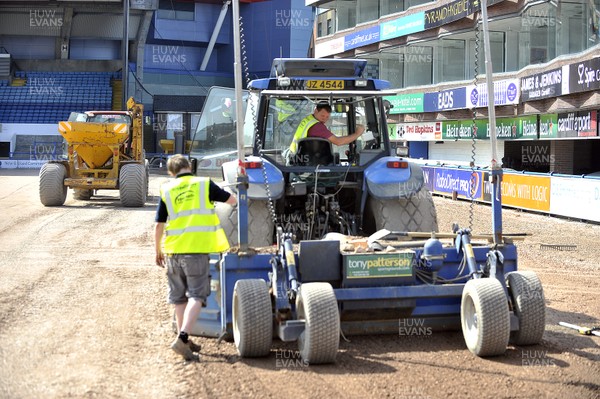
(216, 129)
(285, 115)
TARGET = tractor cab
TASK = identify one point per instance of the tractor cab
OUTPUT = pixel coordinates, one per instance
(292, 92)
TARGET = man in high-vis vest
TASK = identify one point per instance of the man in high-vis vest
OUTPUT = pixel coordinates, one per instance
(314, 126)
(191, 229)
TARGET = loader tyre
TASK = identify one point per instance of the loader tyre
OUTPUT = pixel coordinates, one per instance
(53, 191)
(527, 294)
(252, 318)
(132, 185)
(416, 213)
(485, 317)
(317, 305)
(82, 194)
(260, 223)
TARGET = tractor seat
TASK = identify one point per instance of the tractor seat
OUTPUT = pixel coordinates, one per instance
(313, 151)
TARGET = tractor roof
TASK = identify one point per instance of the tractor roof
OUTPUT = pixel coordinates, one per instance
(315, 67)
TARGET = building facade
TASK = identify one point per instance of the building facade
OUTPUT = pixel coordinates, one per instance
(546, 64)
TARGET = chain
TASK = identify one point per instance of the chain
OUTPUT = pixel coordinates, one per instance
(253, 111)
(474, 128)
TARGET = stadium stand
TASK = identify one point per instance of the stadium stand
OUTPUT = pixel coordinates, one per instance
(49, 97)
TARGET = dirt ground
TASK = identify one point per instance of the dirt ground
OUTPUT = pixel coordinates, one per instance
(83, 314)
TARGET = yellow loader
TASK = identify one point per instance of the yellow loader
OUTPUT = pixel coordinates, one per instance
(105, 152)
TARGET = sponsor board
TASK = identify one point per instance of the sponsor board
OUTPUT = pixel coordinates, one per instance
(584, 76)
(524, 191)
(577, 124)
(420, 131)
(466, 183)
(330, 47)
(445, 100)
(361, 38)
(378, 266)
(542, 85)
(428, 177)
(524, 127)
(402, 26)
(506, 92)
(406, 103)
(21, 163)
(548, 126)
(578, 198)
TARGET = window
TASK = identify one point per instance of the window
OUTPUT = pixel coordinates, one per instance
(387, 7)
(319, 29)
(452, 59)
(329, 27)
(418, 65)
(368, 10)
(168, 9)
(284, 116)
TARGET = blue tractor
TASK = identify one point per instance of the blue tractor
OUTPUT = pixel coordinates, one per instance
(355, 189)
(288, 279)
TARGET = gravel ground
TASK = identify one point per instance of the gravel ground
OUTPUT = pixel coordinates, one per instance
(83, 314)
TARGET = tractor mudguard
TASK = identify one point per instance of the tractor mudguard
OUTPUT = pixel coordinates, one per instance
(256, 178)
(390, 183)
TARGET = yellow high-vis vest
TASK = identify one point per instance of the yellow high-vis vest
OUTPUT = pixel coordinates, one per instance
(302, 131)
(193, 226)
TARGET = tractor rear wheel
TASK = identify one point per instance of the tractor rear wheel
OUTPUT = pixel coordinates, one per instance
(252, 318)
(53, 191)
(416, 213)
(317, 305)
(484, 317)
(260, 223)
(133, 185)
(527, 297)
(82, 194)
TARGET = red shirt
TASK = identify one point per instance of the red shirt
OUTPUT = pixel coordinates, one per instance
(319, 130)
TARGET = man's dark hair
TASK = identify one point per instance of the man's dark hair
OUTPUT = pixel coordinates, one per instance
(323, 106)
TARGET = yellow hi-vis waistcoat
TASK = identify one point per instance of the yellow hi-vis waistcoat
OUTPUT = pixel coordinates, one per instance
(193, 225)
(302, 131)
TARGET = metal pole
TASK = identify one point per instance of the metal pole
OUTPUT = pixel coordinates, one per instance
(242, 178)
(125, 54)
(496, 169)
(213, 38)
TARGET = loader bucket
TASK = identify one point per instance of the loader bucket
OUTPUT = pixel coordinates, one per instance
(94, 142)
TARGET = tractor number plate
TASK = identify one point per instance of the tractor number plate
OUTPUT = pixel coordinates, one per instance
(325, 84)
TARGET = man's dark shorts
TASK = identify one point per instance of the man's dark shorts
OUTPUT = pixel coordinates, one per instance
(188, 277)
